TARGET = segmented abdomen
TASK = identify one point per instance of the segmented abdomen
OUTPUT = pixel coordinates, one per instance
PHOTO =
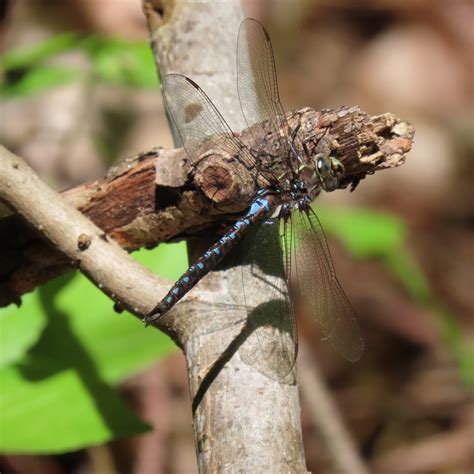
(261, 208)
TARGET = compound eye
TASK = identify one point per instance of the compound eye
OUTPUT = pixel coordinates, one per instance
(331, 184)
(323, 166)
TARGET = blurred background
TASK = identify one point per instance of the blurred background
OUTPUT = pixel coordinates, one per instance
(81, 385)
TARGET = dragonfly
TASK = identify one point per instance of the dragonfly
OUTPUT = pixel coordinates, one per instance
(290, 176)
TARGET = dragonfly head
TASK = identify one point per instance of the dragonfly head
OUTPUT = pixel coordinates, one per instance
(327, 170)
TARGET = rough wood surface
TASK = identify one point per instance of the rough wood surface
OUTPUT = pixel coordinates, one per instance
(157, 196)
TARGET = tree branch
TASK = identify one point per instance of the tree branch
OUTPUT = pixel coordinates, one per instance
(157, 196)
(83, 244)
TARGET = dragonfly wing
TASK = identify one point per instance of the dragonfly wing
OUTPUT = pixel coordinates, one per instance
(197, 120)
(270, 312)
(309, 265)
(257, 83)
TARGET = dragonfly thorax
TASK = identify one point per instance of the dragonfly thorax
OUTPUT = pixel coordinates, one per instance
(313, 174)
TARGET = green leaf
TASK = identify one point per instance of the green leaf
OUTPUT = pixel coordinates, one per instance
(364, 232)
(123, 62)
(117, 61)
(168, 260)
(59, 411)
(26, 57)
(118, 344)
(64, 381)
(38, 79)
(20, 328)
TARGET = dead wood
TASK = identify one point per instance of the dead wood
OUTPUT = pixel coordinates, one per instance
(157, 196)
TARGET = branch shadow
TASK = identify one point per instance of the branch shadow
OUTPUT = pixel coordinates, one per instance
(58, 338)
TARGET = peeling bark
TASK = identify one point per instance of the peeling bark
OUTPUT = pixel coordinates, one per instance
(157, 196)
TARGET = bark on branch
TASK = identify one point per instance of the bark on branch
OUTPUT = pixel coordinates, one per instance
(82, 244)
(157, 196)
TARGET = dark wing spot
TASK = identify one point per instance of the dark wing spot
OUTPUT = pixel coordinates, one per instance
(191, 112)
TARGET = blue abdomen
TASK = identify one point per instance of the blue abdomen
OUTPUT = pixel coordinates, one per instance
(260, 208)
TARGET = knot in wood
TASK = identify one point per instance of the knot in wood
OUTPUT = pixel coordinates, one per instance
(83, 242)
(225, 182)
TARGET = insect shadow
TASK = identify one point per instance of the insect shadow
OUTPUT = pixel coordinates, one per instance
(256, 345)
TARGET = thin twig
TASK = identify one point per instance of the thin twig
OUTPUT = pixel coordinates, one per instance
(326, 417)
(84, 245)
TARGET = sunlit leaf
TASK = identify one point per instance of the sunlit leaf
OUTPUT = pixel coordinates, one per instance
(59, 410)
(123, 62)
(20, 328)
(38, 79)
(364, 232)
(167, 260)
(26, 57)
(64, 381)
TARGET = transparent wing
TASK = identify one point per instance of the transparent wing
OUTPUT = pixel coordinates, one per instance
(257, 83)
(270, 313)
(309, 265)
(197, 119)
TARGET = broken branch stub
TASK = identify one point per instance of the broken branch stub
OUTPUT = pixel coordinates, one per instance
(158, 195)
